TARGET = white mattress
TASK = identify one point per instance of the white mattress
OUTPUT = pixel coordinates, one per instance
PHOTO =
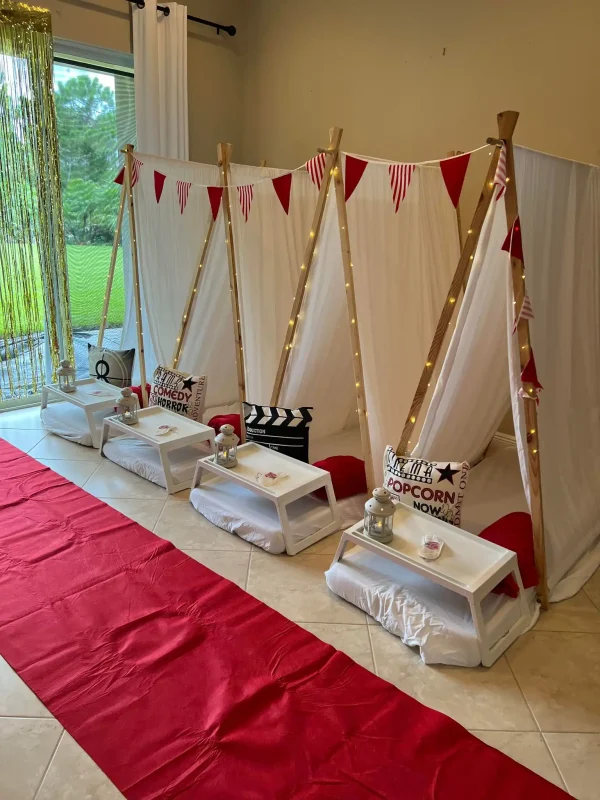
(421, 613)
(69, 421)
(144, 460)
(238, 510)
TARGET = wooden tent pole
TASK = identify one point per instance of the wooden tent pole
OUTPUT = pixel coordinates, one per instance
(309, 252)
(506, 125)
(464, 263)
(136, 271)
(361, 400)
(111, 268)
(224, 158)
(193, 293)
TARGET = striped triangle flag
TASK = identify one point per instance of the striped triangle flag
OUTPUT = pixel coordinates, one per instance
(183, 192)
(400, 177)
(316, 169)
(525, 312)
(135, 171)
(500, 176)
(245, 193)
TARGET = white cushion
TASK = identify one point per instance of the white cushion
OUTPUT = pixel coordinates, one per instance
(418, 611)
(69, 421)
(144, 460)
(238, 510)
(435, 487)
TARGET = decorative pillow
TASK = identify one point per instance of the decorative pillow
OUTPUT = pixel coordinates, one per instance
(111, 366)
(179, 392)
(348, 476)
(281, 429)
(226, 419)
(515, 532)
(137, 390)
(435, 487)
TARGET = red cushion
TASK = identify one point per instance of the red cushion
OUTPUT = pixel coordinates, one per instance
(137, 390)
(348, 476)
(226, 419)
(515, 532)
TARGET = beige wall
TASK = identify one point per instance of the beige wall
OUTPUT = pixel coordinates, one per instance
(412, 79)
(214, 62)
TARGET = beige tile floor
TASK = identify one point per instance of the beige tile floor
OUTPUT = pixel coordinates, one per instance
(539, 704)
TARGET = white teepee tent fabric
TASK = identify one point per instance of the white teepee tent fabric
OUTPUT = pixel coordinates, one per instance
(559, 206)
(169, 248)
(402, 264)
(269, 245)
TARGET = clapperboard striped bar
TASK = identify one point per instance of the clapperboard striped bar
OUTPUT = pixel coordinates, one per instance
(282, 429)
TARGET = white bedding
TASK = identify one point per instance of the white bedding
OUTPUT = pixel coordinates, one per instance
(69, 421)
(144, 460)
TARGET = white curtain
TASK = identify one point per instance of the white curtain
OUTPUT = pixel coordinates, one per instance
(403, 263)
(269, 246)
(160, 62)
(559, 207)
(471, 395)
(169, 248)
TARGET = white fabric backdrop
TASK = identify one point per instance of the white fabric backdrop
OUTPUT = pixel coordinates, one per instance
(559, 207)
(160, 63)
(472, 391)
(269, 248)
(403, 265)
(169, 248)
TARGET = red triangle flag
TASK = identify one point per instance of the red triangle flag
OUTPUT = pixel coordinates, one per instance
(355, 168)
(120, 177)
(453, 172)
(529, 373)
(513, 243)
(215, 193)
(159, 184)
(283, 187)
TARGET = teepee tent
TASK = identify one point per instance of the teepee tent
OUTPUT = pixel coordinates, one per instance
(533, 289)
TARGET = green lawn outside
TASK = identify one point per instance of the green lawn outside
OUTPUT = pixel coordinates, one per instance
(88, 271)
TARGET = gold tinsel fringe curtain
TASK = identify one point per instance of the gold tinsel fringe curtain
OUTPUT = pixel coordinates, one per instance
(34, 301)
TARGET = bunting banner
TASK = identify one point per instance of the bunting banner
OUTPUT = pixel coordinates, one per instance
(215, 193)
(183, 192)
(525, 312)
(355, 168)
(400, 177)
(245, 193)
(500, 176)
(513, 243)
(453, 172)
(135, 171)
(316, 169)
(120, 177)
(529, 396)
(283, 188)
(529, 373)
(159, 184)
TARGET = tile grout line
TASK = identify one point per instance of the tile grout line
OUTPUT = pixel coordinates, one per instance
(49, 764)
(372, 650)
(516, 680)
(555, 762)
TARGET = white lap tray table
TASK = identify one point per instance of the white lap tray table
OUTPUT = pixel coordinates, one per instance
(168, 460)
(468, 566)
(279, 518)
(90, 398)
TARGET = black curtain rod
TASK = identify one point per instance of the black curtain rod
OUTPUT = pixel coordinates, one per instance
(230, 29)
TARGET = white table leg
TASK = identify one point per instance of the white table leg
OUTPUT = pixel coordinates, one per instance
(105, 434)
(44, 398)
(341, 548)
(92, 426)
(286, 532)
(480, 630)
(335, 517)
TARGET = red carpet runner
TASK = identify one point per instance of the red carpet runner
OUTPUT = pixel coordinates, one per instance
(180, 685)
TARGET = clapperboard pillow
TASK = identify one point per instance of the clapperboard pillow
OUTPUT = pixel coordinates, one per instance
(179, 392)
(111, 366)
(435, 487)
(281, 429)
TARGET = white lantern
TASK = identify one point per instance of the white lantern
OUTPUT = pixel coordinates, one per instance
(66, 376)
(226, 443)
(127, 408)
(379, 516)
